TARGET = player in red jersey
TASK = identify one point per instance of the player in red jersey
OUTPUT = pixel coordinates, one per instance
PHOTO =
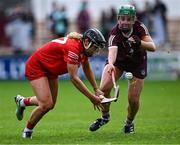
(57, 57)
(128, 42)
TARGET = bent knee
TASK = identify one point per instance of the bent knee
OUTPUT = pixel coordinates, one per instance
(47, 106)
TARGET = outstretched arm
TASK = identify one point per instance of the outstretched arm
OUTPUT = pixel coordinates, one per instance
(72, 69)
(112, 54)
(90, 76)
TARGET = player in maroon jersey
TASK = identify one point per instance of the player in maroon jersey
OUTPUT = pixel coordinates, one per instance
(57, 57)
(128, 42)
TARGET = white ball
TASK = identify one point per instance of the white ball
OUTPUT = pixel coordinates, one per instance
(128, 75)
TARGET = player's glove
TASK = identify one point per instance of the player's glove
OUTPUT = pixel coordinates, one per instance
(135, 41)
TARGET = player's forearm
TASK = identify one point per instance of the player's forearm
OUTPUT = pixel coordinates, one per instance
(112, 54)
(90, 76)
(149, 46)
(92, 80)
(81, 86)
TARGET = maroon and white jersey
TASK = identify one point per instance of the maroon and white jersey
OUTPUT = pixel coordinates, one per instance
(129, 58)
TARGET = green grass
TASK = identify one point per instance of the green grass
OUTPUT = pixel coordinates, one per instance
(157, 122)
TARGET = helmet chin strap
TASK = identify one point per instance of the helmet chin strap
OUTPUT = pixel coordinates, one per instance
(127, 33)
(87, 47)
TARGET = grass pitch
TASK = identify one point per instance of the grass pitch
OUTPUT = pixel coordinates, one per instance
(157, 122)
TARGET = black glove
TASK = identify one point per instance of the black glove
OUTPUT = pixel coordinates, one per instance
(137, 41)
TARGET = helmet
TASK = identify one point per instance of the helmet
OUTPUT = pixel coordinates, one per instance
(126, 17)
(95, 36)
(127, 10)
(95, 39)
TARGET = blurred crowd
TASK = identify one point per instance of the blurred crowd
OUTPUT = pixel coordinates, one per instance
(17, 29)
(18, 26)
(155, 19)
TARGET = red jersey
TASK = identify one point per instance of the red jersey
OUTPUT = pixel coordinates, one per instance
(51, 59)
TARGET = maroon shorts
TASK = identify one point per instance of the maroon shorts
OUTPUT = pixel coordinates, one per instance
(138, 70)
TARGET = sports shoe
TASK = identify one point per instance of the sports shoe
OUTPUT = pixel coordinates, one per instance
(98, 123)
(19, 108)
(128, 128)
(27, 134)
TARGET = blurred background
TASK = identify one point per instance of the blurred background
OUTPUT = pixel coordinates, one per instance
(27, 24)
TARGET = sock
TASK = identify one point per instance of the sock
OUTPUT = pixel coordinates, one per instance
(129, 121)
(27, 130)
(105, 115)
(26, 102)
(29, 126)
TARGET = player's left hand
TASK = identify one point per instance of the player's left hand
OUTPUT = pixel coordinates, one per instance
(135, 41)
(99, 106)
(98, 92)
(110, 68)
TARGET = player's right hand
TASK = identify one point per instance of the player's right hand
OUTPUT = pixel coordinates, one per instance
(97, 102)
(98, 92)
(110, 68)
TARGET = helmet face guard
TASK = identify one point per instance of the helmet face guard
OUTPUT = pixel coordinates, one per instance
(90, 49)
(126, 17)
(93, 41)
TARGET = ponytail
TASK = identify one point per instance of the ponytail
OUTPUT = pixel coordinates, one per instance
(74, 35)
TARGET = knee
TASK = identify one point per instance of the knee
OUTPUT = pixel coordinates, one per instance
(47, 106)
(51, 106)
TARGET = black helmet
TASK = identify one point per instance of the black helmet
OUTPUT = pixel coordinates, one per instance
(95, 36)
